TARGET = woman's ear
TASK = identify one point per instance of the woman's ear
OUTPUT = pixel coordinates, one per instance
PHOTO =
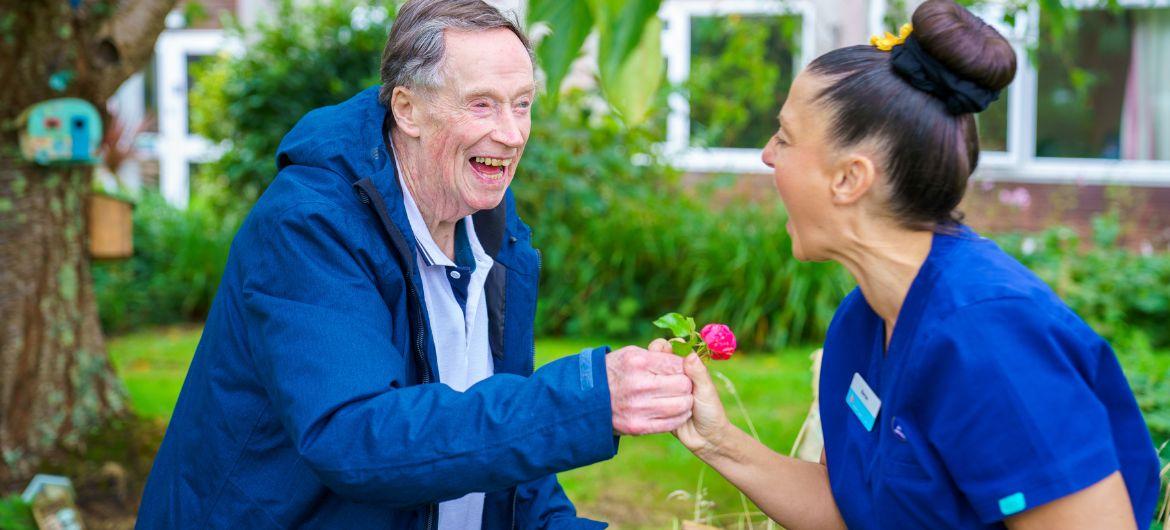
(854, 180)
(404, 105)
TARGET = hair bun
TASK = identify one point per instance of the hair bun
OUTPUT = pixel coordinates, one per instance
(964, 43)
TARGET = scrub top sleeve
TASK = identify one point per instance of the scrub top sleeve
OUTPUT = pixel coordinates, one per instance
(1007, 401)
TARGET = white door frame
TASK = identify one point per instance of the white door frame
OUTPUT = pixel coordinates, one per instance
(176, 146)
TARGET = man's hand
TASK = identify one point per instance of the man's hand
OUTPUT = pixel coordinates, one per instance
(648, 391)
(708, 424)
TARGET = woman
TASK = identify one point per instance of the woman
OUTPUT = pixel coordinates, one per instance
(957, 390)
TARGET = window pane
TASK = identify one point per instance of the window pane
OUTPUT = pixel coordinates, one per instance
(150, 77)
(1106, 94)
(993, 122)
(741, 69)
(993, 125)
(192, 66)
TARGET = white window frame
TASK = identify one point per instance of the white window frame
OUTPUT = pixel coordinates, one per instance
(1020, 105)
(1020, 163)
(676, 48)
(175, 146)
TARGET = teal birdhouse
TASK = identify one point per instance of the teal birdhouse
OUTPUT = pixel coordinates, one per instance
(66, 130)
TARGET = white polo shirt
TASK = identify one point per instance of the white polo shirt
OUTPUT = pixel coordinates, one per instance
(460, 336)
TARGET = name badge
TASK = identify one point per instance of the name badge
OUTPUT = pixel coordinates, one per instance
(863, 402)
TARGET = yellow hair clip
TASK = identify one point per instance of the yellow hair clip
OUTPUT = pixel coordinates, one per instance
(888, 41)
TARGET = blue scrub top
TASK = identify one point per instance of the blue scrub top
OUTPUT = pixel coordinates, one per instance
(995, 398)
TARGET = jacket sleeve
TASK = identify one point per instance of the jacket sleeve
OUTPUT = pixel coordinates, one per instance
(319, 333)
(541, 504)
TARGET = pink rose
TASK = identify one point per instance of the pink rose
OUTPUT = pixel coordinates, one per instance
(720, 341)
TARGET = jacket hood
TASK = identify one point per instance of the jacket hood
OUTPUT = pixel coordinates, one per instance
(345, 139)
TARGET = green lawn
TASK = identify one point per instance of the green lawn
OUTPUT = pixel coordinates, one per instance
(630, 491)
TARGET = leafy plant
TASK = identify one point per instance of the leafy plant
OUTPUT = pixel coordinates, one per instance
(311, 54)
(623, 242)
(15, 514)
(629, 54)
(1121, 293)
(741, 68)
(178, 260)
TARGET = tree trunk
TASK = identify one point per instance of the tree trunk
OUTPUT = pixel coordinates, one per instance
(56, 382)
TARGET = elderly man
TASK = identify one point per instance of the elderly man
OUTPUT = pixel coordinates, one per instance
(368, 362)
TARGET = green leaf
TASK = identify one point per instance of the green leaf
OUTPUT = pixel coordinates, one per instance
(680, 348)
(621, 26)
(676, 323)
(570, 24)
(630, 87)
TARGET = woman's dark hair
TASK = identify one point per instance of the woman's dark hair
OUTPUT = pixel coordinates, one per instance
(929, 151)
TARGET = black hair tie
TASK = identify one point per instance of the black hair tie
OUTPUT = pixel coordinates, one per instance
(962, 96)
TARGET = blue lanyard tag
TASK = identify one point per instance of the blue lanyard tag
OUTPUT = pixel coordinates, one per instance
(863, 402)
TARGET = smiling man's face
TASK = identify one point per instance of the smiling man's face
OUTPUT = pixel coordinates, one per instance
(476, 124)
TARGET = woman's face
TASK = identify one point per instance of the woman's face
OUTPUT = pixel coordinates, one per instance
(802, 162)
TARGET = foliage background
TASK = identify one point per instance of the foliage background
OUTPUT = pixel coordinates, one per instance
(623, 239)
(307, 56)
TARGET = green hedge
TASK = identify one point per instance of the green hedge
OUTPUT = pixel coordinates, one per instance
(1123, 294)
(626, 242)
(15, 514)
(306, 56)
(178, 260)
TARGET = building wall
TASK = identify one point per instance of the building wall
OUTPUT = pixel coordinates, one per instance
(1006, 206)
(1144, 212)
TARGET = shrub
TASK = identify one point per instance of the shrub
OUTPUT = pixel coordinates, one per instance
(1121, 293)
(15, 514)
(309, 55)
(625, 242)
(178, 260)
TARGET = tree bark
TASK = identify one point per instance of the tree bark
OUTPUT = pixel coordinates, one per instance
(56, 381)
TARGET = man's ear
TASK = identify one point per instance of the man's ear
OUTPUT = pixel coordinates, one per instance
(404, 106)
(855, 178)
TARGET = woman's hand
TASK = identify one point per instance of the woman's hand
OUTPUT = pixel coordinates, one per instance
(708, 426)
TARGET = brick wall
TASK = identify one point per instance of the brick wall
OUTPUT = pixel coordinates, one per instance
(1005, 206)
(1144, 212)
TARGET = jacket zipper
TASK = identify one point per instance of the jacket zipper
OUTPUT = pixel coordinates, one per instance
(412, 293)
(419, 336)
(513, 508)
(539, 268)
(431, 509)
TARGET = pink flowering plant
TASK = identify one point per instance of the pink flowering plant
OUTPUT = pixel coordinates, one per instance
(714, 341)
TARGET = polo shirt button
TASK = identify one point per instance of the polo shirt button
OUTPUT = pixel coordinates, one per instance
(455, 275)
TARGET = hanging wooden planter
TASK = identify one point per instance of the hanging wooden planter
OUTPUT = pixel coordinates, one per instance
(111, 227)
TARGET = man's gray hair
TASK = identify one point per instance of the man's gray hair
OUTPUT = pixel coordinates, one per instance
(414, 51)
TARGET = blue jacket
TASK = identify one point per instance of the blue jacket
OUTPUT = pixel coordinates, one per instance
(312, 400)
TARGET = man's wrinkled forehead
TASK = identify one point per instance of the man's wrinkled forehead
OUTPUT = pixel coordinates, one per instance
(491, 60)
